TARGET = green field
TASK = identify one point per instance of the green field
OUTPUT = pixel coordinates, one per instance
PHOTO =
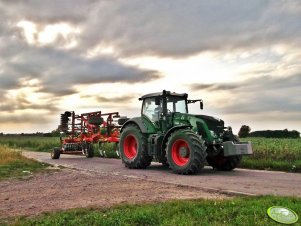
(274, 154)
(30, 142)
(269, 153)
(237, 211)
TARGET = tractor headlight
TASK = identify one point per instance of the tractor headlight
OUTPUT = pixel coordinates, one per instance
(212, 133)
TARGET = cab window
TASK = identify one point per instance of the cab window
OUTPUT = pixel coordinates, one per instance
(175, 104)
(151, 110)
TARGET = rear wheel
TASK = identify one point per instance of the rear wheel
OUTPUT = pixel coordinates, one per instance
(186, 152)
(133, 148)
(55, 153)
(225, 163)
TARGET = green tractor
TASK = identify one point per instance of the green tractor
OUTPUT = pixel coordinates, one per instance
(167, 133)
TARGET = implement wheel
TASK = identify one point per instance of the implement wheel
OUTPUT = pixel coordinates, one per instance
(88, 150)
(55, 153)
(186, 152)
(133, 148)
(225, 163)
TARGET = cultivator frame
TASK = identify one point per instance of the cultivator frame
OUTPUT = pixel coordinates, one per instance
(86, 129)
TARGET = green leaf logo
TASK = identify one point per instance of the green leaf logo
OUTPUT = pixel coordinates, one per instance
(282, 215)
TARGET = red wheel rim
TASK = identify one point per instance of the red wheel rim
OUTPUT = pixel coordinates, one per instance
(130, 146)
(178, 158)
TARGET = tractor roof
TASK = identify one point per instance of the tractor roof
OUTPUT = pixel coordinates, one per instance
(158, 94)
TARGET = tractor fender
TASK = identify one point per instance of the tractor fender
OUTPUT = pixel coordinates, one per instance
(170, 131)
(137, 121)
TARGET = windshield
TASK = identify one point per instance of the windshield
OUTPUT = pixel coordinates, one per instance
(153, 111)
(176, 104)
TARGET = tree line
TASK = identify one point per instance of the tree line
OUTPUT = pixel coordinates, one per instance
(245, 131)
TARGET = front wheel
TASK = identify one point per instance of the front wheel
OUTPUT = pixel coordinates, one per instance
(225, 163)
(133, 148)
(186, 152)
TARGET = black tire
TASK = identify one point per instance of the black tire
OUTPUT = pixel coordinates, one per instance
(55, 153)
(186, 152)
(163, 160)
(133, 148)
(88, 150)
(228, 163)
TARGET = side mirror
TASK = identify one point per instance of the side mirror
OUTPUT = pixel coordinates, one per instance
(157, 100)
(201, 105)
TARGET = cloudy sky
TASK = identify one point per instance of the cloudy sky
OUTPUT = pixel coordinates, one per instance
(243, 58)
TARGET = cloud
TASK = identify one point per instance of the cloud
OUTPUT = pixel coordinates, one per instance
(181, 28)
(8, 82)
(20, 102)
(255, 95)
(116, 100)
(112, 100)
(59, 71)
(24, 119)
(266, 31)
(47, 12)
(167, 28)
(213, 87)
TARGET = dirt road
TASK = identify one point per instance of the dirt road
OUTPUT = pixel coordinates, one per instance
(70, 188)
(239, 181)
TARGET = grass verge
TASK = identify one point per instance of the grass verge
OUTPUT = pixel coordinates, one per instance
(237, 211)
(13, 164)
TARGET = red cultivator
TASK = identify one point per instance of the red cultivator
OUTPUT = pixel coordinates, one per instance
(87, 129)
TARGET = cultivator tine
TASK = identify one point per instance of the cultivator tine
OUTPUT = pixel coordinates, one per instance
(64, 122)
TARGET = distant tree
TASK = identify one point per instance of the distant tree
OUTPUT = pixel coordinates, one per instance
(244, 131)
(55, 133)
(295, 134)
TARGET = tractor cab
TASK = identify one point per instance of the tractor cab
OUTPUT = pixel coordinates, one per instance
(156, 105)
(159, 108)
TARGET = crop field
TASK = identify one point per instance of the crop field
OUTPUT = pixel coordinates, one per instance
(269, 153)
(274, 154)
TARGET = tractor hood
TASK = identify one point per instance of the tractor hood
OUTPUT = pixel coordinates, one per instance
(211, 124)
(214, 124)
